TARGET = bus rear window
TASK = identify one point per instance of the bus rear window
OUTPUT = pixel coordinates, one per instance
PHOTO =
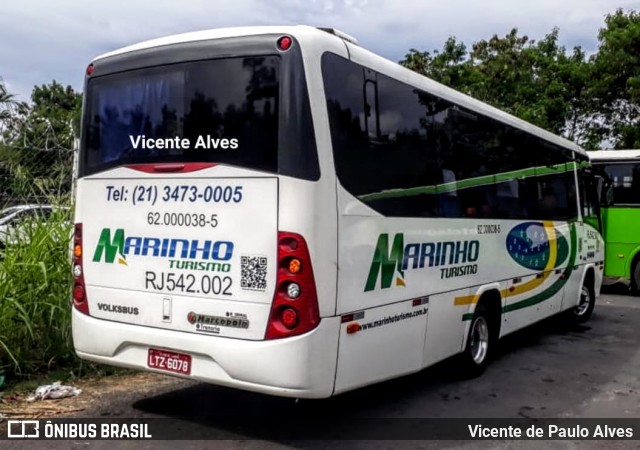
(222, 110)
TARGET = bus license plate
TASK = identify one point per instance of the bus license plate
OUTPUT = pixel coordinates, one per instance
(169, 361)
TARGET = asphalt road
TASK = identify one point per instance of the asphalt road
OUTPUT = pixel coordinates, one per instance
(550, 370)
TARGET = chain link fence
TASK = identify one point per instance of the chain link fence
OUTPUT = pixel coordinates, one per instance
(36, 229)
(35, 176)
(35, 263)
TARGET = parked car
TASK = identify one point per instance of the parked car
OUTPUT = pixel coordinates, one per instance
(12, 217)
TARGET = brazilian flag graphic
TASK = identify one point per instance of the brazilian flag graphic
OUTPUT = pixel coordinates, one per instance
(537, 245)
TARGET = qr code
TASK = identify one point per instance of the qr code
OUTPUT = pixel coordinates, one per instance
(253, 273)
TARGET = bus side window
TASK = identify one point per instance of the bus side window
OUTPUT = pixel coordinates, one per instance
(589, 193)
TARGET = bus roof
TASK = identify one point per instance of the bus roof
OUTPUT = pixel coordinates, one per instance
(392, 68)
(217, 33)
(614, 154)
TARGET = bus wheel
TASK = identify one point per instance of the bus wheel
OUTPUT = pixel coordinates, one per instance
(479, 343)
(582, 312)
(635, 279)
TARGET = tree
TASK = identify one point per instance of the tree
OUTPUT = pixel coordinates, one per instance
(53, 117)
(537, 81)
(616, 80)
(8, 105)
(449, 66)
(36, 143)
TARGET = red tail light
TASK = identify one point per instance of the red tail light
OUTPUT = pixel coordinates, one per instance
(79, 291)
(284, 43)
(289, 318)
(295, 309)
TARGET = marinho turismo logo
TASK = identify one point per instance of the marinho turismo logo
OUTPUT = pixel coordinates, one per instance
(188, 254)
(454, 258)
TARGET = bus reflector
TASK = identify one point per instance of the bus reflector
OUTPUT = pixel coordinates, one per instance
(289, 317)
(79, 291)
(353, 328)
(346, 318)
(90, 70)
(293, 316)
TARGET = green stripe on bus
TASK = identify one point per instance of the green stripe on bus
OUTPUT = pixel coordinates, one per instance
(551, 290)
(469, 182)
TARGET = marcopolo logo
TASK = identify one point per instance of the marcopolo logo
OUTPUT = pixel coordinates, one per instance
(116, 245)
(201, 320)
(537, 245)
(392, 262)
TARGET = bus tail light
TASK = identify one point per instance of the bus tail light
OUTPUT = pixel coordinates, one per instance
(294, 309)
(289, 318)
(79, 291)
(284, 43)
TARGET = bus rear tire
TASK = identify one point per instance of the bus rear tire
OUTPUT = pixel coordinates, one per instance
(480, 343)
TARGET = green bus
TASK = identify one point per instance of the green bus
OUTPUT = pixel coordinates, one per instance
(620, 209)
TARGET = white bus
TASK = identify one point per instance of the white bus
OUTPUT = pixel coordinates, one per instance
(279, 210)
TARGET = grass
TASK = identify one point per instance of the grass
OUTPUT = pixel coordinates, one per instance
(35, 280)
(35, 302)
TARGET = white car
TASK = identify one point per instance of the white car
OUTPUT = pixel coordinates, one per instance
(12, 216)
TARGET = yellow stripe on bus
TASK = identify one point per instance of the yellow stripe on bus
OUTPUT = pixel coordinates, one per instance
(529, 285)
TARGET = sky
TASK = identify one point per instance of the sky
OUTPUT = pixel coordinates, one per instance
(45, 40)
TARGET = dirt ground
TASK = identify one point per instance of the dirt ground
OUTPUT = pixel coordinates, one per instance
(95, 393)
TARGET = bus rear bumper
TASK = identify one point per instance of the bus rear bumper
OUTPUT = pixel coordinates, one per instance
(301, 366)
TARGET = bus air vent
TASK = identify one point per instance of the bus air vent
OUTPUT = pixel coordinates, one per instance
(340, 34)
